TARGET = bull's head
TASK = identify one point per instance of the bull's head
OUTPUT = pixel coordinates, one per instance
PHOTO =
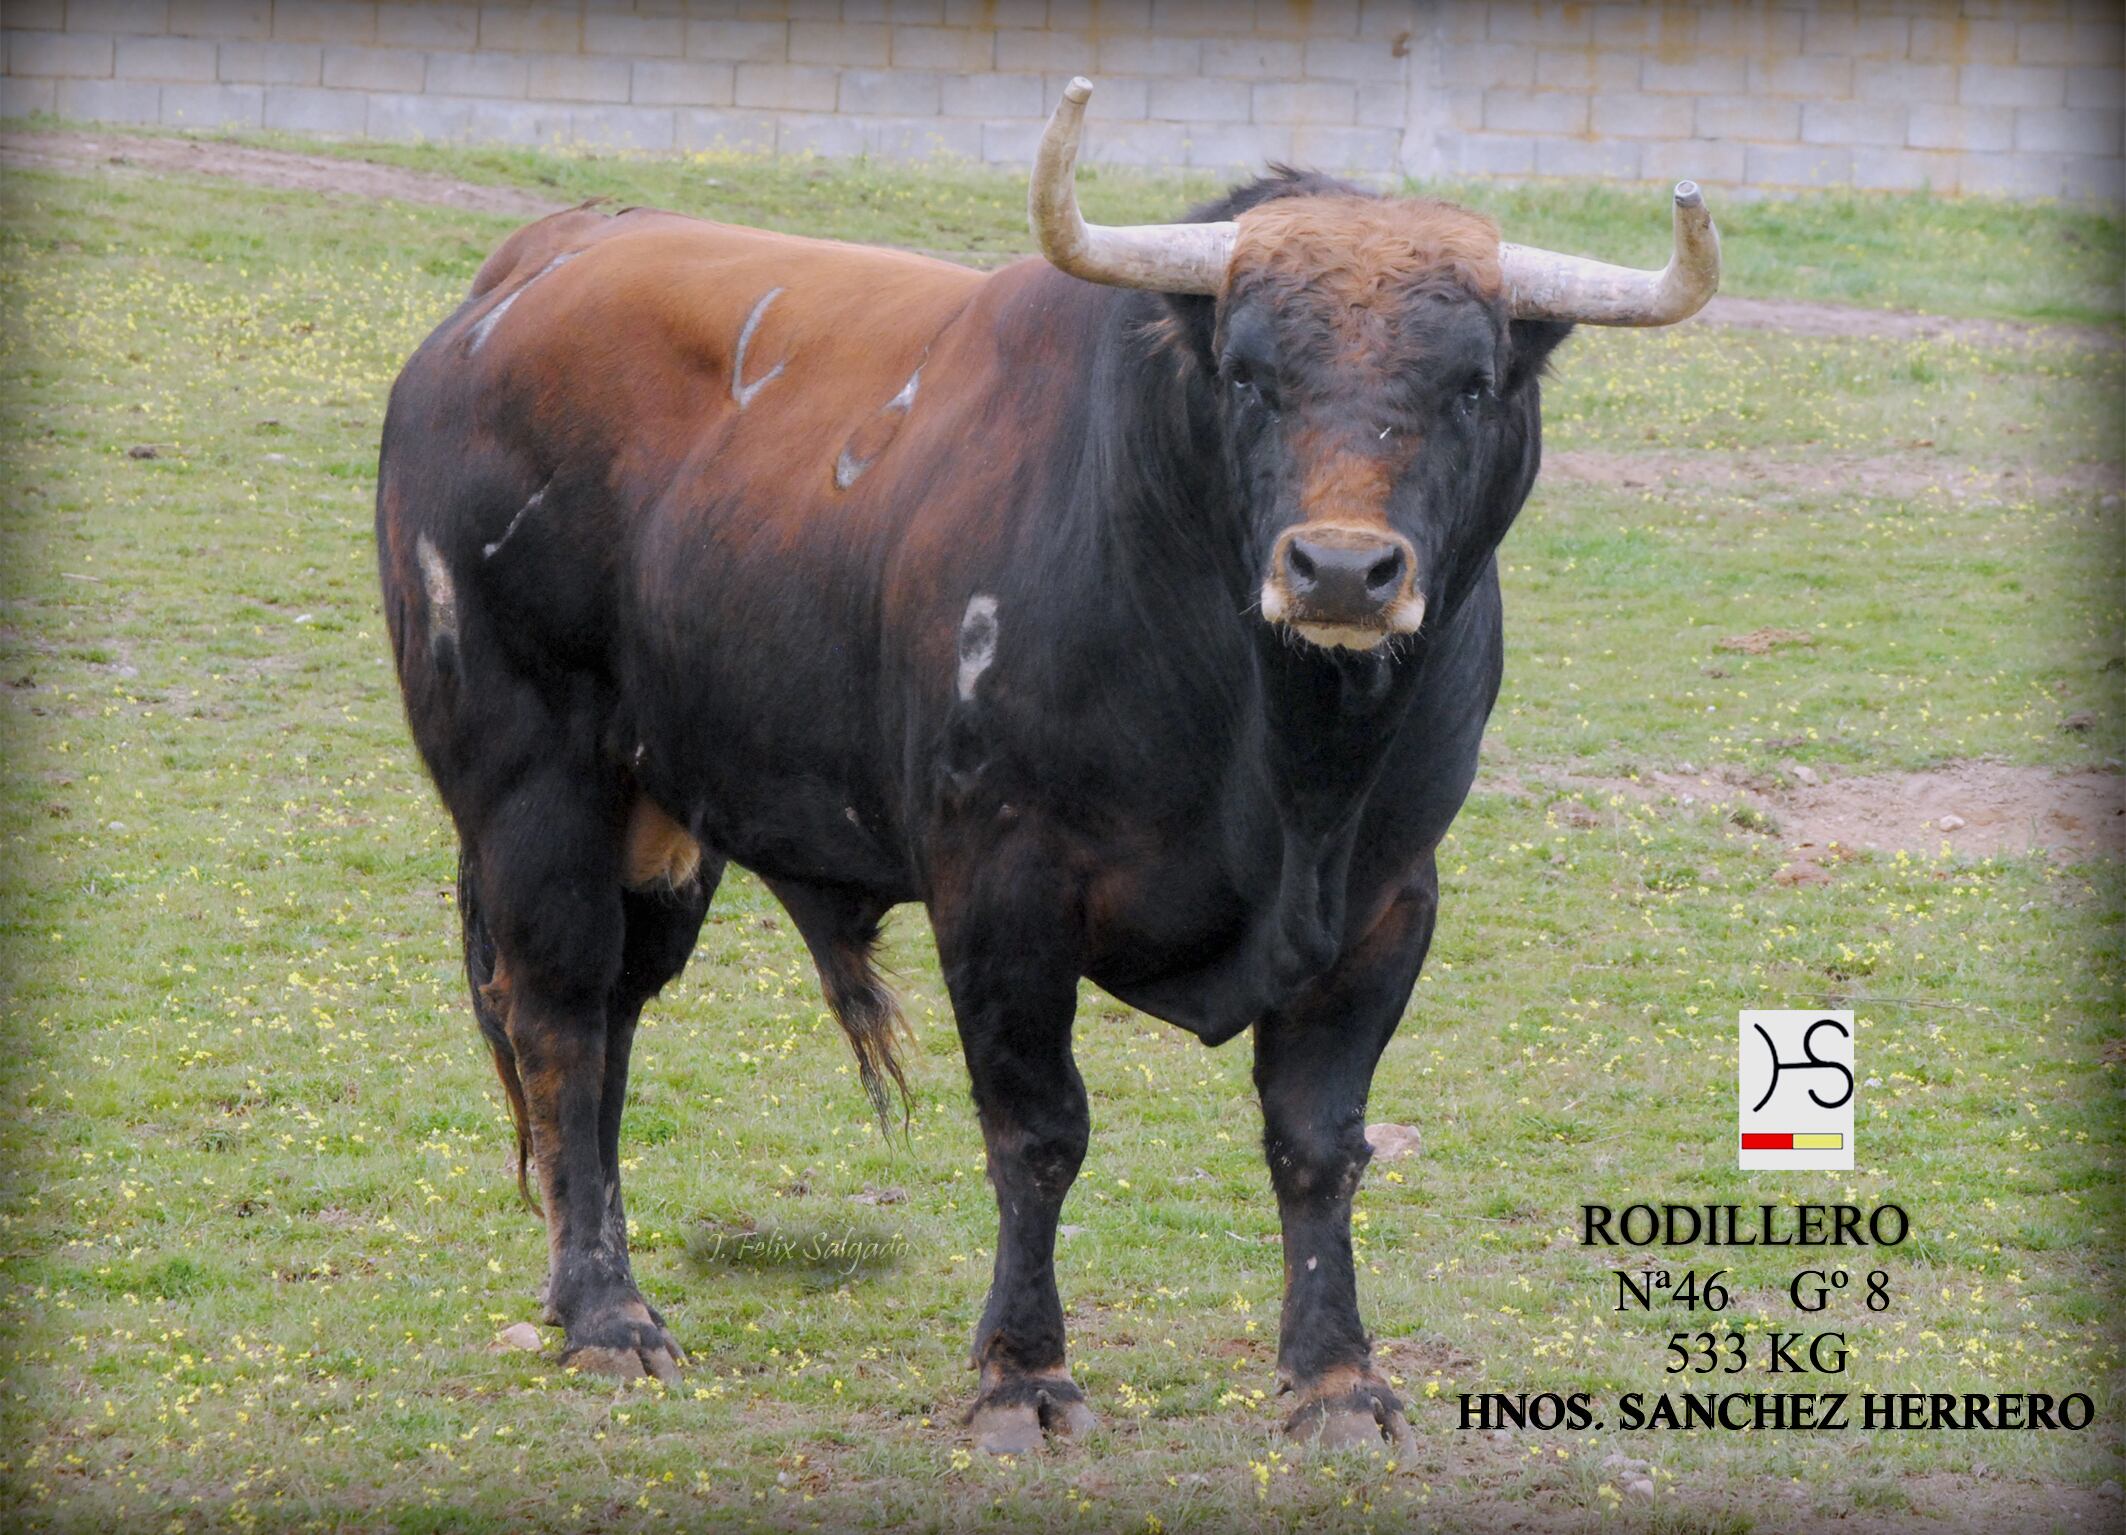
(1376, 362)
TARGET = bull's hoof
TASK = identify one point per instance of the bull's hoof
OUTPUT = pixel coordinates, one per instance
(1368, 1416)
(1017, 1417)
(625, 1342)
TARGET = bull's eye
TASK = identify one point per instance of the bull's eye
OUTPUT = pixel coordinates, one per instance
(1248, 387)
(1472, 396)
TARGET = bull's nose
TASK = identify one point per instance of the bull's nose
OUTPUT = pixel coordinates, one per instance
(1344, 578)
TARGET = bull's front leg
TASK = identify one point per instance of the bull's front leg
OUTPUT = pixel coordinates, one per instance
(1014, 991)
(1313, 1069)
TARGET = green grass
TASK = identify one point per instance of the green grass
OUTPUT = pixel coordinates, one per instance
(1970, 256)
(258, 1230)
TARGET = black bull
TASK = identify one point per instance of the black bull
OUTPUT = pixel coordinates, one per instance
(1141, 638)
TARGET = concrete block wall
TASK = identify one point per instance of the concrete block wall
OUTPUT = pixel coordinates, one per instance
(2021, 97)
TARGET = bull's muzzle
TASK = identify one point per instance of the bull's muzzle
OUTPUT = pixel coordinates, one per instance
(1355, 588)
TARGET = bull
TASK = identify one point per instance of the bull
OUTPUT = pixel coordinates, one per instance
(1134, 609)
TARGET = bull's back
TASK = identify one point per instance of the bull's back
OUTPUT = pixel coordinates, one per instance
(617, 386)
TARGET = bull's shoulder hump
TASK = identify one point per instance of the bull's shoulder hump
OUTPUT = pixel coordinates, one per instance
(665, 280)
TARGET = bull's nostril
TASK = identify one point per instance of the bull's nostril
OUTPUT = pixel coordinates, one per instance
(1385, 573)
(1302, 566)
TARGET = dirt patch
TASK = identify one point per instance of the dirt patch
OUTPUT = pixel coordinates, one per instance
(1799, 317)
(1890, 476)
(1976, 808)
(1762, 642)
(277, 168)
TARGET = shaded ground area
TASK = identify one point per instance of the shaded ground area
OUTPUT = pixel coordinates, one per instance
(332, 175)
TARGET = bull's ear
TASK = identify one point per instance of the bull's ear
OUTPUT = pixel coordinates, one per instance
(1531, 343)
(1191, 324)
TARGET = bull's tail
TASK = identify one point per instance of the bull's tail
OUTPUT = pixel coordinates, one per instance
(490, 1008)
(842, 931)
(870, 1015)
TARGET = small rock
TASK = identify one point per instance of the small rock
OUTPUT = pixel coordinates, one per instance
(143, 450)
(1617, 1460)
(276, 458)
(1806, 776)
(2078, 721)
(1391, 1143)
(519, 1335)
(1952, 823)
(1640, 1488)
(1068, 1230)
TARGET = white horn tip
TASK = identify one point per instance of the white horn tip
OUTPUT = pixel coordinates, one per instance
(1688, 195)
(1079, 90)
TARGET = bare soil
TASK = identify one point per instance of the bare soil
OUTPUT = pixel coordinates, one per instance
(279, 168)
(1799, 317)
(1899, 476)
(1977, 808)
(337, 177)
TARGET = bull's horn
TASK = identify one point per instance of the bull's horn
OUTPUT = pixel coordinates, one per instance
(1543, 285)
(1168, 258)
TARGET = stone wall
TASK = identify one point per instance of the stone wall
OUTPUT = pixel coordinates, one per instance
(2021, 97)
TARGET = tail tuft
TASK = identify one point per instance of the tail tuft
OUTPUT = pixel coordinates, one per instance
(870, 1015)
(490, 1008)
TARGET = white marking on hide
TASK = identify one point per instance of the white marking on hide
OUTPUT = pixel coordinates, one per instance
(538, 495)
(489, 320)
(741, 391)
(848, 466)
(978, 641)
(442, 590)
(1313, 1264)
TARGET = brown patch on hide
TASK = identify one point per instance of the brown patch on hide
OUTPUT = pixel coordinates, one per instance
(659, 850)
(1347, 488)
(1366, 252)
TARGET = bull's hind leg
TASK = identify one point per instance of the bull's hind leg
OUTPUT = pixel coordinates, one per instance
(573, 957)
(1313, 1068)
(662, 924)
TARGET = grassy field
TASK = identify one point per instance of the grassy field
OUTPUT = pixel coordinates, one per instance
(257, 1230)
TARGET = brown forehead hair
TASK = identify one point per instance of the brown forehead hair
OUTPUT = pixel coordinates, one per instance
(1362, 252)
